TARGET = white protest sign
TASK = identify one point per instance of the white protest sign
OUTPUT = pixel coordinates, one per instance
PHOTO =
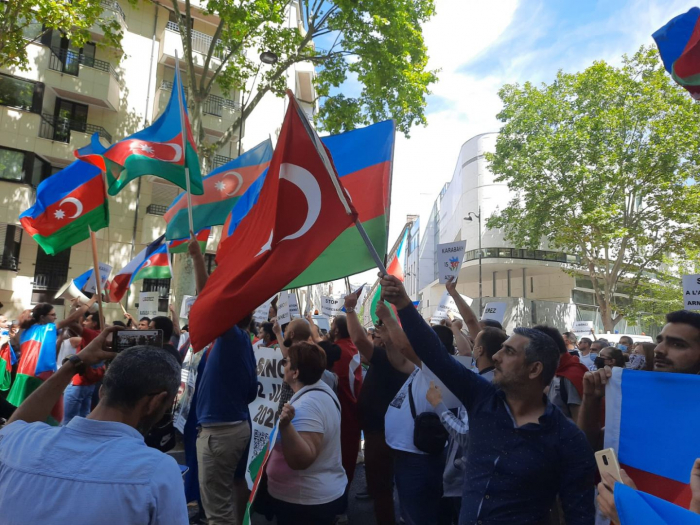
(447, 304)
(105, 270)
(293, 305)
(262, 312)
(331, 306)
(148, 304)
(183, 401)
(582, 328)
(691, 292)
(283, 315)
(495, 311)
(263, 410)
(450, 258)
(187, 302)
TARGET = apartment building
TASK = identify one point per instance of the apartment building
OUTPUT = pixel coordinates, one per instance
(67, 95)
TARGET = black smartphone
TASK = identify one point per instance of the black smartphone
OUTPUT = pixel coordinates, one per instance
(129, 338)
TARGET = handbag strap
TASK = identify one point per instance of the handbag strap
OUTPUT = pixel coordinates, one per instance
(321, 390)
(410, 400)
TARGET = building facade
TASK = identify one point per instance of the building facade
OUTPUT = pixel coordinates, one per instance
(67, 95)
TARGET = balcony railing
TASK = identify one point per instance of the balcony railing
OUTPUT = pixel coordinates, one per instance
(213, 105)
(200, 41)
(156, 209)
(59, 129)
(220, 160)
(67, 61)
(113, 5)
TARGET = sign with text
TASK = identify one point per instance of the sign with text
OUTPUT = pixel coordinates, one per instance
(283, 314)
(188, 378)
(582, 328)
(450, 258)
(105, 270)
(148, 304)
(331, 306)
(691, 292)
(264, 409)
(447, 307)
(261, 312)
(294, 305)
(495, 311)
(187, 302)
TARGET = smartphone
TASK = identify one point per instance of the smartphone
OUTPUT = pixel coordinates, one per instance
(607, 462)
(129, 338)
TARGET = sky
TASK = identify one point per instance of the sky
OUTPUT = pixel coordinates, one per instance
(480, 45)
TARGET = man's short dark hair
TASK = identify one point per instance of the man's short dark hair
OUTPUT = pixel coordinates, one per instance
(570, 337)
(492, 323)
(684, 317)
(95, 318)
(586, 340)
(492, 340)
(541, 348)
(118, 323)
(628, 338)
(137, 372)
(185, 328)
(309, 359)
(555, 335)
(446, 337)
(341, 325)
(163, 323)
(267, 329)
(147, 319)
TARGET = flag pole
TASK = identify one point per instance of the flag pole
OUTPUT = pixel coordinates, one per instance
(184, 141)
(98, 277)
(372, 251)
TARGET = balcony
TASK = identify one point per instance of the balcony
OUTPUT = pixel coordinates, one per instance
(171, 42)
(156, 209)
(85, 79)
(219, 113)
(111, 12)
(60, 129)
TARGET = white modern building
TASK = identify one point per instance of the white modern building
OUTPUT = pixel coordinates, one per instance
(533, 283)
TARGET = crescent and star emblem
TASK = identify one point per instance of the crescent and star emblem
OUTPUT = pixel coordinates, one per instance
(221, 185)
(60, 214)
(144, 148)
(308, 184)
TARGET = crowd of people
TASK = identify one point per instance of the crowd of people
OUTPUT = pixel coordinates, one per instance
(464, 422)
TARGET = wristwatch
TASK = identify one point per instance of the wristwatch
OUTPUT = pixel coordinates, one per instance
(76, 361)
(349, 309)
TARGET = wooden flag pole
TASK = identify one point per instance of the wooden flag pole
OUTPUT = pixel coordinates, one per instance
(184, 141)
(98, 277)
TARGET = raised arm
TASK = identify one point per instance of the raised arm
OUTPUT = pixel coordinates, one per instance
(315, 332)
(589, 415)
(357, 332)
(464, 346)
(464, 309)
(200, 268)
(76, 314)
(300, 449)
(176, 320)
(393, 354)
(396, 335)
(464, 384)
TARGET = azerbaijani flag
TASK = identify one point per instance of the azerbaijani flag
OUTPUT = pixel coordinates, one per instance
(68, 204)
(180, 245)
(256, 468)
(155, 266)
(158, 150)
(395, 268)
(679, 47)
(7, 361)
(363, 159)
(635, 507)
(36, 364)
(644, 409)
(154, 253)
(222, 189)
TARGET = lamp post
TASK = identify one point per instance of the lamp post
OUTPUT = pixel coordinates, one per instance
(266, 57)
(470, 219)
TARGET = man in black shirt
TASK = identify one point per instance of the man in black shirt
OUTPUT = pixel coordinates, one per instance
(379, 388)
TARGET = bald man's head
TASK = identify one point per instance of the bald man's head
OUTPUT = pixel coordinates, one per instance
(297, 331)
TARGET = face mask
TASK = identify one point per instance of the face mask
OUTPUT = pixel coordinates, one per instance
(622, 347)
(637, 362)
(599, 362)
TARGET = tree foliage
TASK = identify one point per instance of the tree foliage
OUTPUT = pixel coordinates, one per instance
(24, 21)
(604, 164)
(378, 43)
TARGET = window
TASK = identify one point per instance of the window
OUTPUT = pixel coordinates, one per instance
(162, 196)
(162, 286)
(23, 166)
(172, 17)
(21, 94)
(10, 242)
(50, 273)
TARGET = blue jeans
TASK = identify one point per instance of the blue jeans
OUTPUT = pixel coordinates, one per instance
(419, 484)
(76, 402)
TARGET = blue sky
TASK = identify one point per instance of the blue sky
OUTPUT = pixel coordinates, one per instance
(482, 44)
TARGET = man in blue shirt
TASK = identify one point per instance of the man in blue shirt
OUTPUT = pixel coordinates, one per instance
(523, 451)
(96, 468)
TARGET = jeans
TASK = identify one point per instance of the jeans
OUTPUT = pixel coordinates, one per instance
(419, 484)
(77, 400)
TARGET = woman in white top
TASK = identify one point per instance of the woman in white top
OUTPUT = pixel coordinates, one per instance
(306, 480)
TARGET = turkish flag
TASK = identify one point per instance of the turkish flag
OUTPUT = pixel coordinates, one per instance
(301, 210)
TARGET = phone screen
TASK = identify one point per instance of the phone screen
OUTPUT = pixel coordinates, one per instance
(129, 338)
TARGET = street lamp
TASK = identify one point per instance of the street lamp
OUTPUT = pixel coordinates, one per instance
(470, 217)
(266, 57)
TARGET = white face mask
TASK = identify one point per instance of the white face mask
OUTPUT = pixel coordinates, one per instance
(637, 362)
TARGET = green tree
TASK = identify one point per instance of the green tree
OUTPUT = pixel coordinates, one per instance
(377, 42)
(604, 164)
(23, 21)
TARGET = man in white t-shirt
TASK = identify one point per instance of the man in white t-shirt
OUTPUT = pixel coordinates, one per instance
(418, 474)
